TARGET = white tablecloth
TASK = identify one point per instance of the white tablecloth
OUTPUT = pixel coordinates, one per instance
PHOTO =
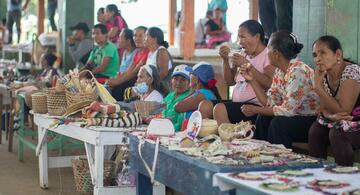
(225, 182)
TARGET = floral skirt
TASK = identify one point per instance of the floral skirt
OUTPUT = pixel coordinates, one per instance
(343, 125)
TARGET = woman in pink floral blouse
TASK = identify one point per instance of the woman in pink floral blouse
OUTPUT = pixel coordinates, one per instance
(290, 105)
(337, 82)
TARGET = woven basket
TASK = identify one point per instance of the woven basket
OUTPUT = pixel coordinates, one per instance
(56, 102)
(73, 98)
(39, 103)
(76, 97)
(82, 174)
(146, 108)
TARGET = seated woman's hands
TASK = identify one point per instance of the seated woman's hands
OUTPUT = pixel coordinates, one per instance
(338, 116)
(111, 83)
(238, 60)
(249, 110)
(245, 71)
(224, 52)
(318, 78)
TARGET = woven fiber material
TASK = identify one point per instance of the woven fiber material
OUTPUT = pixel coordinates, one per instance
(146, 108)
(39, 103)
(56, 102)
(82, 174)
(73, 98)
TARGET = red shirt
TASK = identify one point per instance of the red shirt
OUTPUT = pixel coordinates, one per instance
(141, 55)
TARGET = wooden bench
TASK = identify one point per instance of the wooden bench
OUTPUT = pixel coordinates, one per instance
(304, 148)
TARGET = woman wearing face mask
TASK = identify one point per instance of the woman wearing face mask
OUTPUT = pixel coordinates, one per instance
(180, 85)
(202, 85)
(290, 105)
(251, 36)
(148, 85)
(337, 82)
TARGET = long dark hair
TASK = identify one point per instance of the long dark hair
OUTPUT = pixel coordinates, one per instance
(114, 8)
(333, 44)
(157, 83)
(286, 43)
(157, 33)
(129, 35)
(254, 27)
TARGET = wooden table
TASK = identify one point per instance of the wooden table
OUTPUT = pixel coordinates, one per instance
(94, 139)
(183, 173)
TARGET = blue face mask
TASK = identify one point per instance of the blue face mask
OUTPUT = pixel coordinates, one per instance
(141, 88)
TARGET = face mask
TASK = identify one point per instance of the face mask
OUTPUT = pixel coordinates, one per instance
(141, 88)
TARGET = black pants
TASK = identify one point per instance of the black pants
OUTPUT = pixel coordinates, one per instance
(13, 17)
(276, 15)
(283, 130)
(118, 91)
(234, 111)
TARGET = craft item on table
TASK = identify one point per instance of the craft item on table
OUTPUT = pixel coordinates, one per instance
(274, 163)
(291, 156)
(326, 184)
(129, 120)
(187, 143)
(352, 192)
(307, 160)
(342, 170)
(248, 176)
(275, 151)
(223, 160)
(261, 159)
(280, 187)
(102, 108)
(76, 107)
(295, 173)
(252, 154)
(160, 127)
(208, 127)
(215, 147)
(63, 121)
(243, 146)
(242, 130)
(194, 125)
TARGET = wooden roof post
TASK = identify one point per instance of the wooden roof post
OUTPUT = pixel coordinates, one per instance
(187, 30)
(172, 20)
(254, 9)
(41, 16)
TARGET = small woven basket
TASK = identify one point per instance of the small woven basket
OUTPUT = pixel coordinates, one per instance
(146, 108)
(39, 103)
(73, 98)
(56, 102)
(76, 97)
(82, 174)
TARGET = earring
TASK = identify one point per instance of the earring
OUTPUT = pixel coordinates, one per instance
(339, 61)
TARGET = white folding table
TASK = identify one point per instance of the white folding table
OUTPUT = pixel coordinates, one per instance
(94, 138)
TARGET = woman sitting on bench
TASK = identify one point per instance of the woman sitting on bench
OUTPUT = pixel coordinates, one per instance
(337, 82)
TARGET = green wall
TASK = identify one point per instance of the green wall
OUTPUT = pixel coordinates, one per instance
(2, 9)
(314, 18)
(70, 13)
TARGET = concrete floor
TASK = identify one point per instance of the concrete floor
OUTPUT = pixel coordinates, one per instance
(22, 178)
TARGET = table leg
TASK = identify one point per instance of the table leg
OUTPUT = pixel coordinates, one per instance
(143, 185)
(43, 160)
(99, 166)
(90, 157)
(1, 121)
